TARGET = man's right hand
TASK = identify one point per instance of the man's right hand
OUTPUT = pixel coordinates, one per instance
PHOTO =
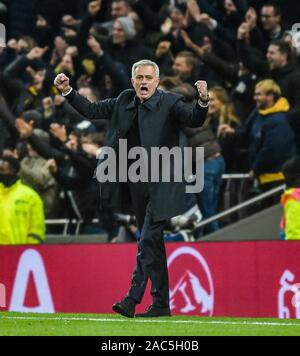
(162, 48)
(62, 83)
(95, 46)
(243, 31)
(25, 128)
(251, 18)
(94, 7)
(59, 131)
(225, 129)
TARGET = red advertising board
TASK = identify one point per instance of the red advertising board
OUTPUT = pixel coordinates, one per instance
(255, 279)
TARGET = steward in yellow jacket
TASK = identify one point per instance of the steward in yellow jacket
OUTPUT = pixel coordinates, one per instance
(22, 218)
(290, 224)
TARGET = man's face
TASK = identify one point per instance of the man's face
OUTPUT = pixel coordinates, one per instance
(22, 45)
(39, 78)
(230, 6)
(262, 99)
(7, 174)
(275, 58)
(118, 35)
(181, 67)
(214, 104)
(177, 18)
(119, 9)
(145, 82)
(5, 168)
(67, 62)
(268, 18)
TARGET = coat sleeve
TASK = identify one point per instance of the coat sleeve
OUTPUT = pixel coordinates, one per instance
(12, 74)
(226, 69)
(102, 109)
(45, 150)
(187, 115)
(252, 62)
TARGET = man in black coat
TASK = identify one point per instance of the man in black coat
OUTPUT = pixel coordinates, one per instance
(147, 118)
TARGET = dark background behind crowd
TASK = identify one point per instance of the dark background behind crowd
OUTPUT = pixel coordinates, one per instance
(232, 44)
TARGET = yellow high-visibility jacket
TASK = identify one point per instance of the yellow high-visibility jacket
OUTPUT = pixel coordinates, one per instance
(290, 223)
(22, 218)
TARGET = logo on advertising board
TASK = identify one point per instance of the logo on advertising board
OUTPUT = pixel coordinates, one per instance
(31, 266)
(289, 297)
(191, 283)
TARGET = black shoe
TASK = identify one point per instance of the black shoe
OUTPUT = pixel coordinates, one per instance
(154, 312)
(125, 307)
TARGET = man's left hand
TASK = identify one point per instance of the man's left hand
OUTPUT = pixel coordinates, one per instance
(202, 90)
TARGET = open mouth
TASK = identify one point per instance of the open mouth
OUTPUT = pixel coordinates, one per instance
(144, 90)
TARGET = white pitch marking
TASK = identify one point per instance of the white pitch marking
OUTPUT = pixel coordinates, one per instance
(241, 323)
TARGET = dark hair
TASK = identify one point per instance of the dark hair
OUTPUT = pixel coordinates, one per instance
(33, 115)
(276, 7)
(97, 138)
(180, 7)
(125, 1)
(191, 59)
(13, 162)
(283, 47)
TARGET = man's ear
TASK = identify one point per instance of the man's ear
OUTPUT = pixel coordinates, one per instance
(132, 82)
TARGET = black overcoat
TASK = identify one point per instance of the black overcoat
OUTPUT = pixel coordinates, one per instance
(160, 120)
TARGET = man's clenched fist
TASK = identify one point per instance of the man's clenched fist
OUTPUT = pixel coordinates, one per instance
(62, 83)
(202, 90)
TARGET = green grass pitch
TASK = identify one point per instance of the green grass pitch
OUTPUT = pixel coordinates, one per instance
(12, 324)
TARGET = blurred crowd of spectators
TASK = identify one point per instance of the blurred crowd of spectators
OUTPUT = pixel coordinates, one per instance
(242, 48)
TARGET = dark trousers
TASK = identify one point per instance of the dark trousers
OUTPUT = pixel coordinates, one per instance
(151, 257)
(208, 199)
